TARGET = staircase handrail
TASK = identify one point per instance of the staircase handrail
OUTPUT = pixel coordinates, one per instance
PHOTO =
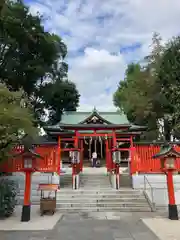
(150, 200)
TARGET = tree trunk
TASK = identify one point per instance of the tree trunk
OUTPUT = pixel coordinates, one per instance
(167, 130)
(2, 3)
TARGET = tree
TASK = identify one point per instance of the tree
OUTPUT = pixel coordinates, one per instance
(64, 97)
(169, 78)
(27, 52)
(16, 119)
(30, 57)
(2, 3)
(124, 91)
(139, 95)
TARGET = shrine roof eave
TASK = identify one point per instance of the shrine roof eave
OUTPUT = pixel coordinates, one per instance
(155, 143)
(72, 134)
(61, 127)
(133, 133)
(138, 128)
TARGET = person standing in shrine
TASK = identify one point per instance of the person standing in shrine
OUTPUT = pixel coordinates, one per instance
(94, 159)
(70, 156)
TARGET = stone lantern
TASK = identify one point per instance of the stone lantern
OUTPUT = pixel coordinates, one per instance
(31, 162)
(167, 157)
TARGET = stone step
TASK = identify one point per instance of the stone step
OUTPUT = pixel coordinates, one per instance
(93, 199)
(90, 195)
(90, 198)
(100, 208)
(94, 184)
(89, 192)
(104, 204)
(105, 209)
(94, 181)
(95, 205)
(101, 201)
(106, 190)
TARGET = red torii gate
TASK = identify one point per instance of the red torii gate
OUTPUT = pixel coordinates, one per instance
(111, 139)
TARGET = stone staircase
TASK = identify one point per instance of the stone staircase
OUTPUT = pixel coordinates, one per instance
(104, 200)
(96, 195)
(94, 181)
(125, 181)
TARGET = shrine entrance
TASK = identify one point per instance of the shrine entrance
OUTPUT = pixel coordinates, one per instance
(94, 144)
(106, 140)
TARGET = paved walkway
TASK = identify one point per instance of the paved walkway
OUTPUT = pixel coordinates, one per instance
(90, 226)
(164, 228)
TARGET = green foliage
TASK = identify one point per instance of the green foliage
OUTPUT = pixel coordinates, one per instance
(27, 51)
(169, 77)
(151, 94)
(139, 96)
(30, 58)
(8, 194)
(64, 97)
(16, 119)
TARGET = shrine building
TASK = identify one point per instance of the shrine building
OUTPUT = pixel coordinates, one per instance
(94, 129)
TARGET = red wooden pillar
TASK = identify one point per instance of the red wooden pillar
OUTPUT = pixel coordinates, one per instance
(114, 145)
(76, 139)
(26, 210)
(107, 156)
(131, 163)
(59, 155)
(170, 186)
(75, 146)
(173, 211)
(110, 154)
(75, 165)
(59, 160)
(81, 156)
(114, 139)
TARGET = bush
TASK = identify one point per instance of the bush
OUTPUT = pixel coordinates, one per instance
(8, 194)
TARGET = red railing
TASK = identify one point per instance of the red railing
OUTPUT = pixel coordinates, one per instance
(142, 161)
(48, 163)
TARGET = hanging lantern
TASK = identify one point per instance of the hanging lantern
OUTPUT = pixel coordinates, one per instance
(75, 157)
(116, 156)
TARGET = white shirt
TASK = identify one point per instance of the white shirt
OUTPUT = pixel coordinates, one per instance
(94, 155)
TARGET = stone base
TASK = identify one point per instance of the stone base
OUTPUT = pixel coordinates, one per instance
(173, 212)
(26, 213)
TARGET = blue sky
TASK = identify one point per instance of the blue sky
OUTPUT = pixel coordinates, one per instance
(103, 36)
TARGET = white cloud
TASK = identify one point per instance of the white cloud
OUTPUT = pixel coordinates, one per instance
(98, 29)
(97, 74)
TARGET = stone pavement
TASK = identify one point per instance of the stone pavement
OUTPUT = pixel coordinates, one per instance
(164, 228)
(90, 226)
(37, 222)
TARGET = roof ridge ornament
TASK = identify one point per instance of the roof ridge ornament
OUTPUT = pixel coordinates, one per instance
(95, 109)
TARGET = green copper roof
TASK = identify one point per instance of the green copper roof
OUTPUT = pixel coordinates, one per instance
(73, 117)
